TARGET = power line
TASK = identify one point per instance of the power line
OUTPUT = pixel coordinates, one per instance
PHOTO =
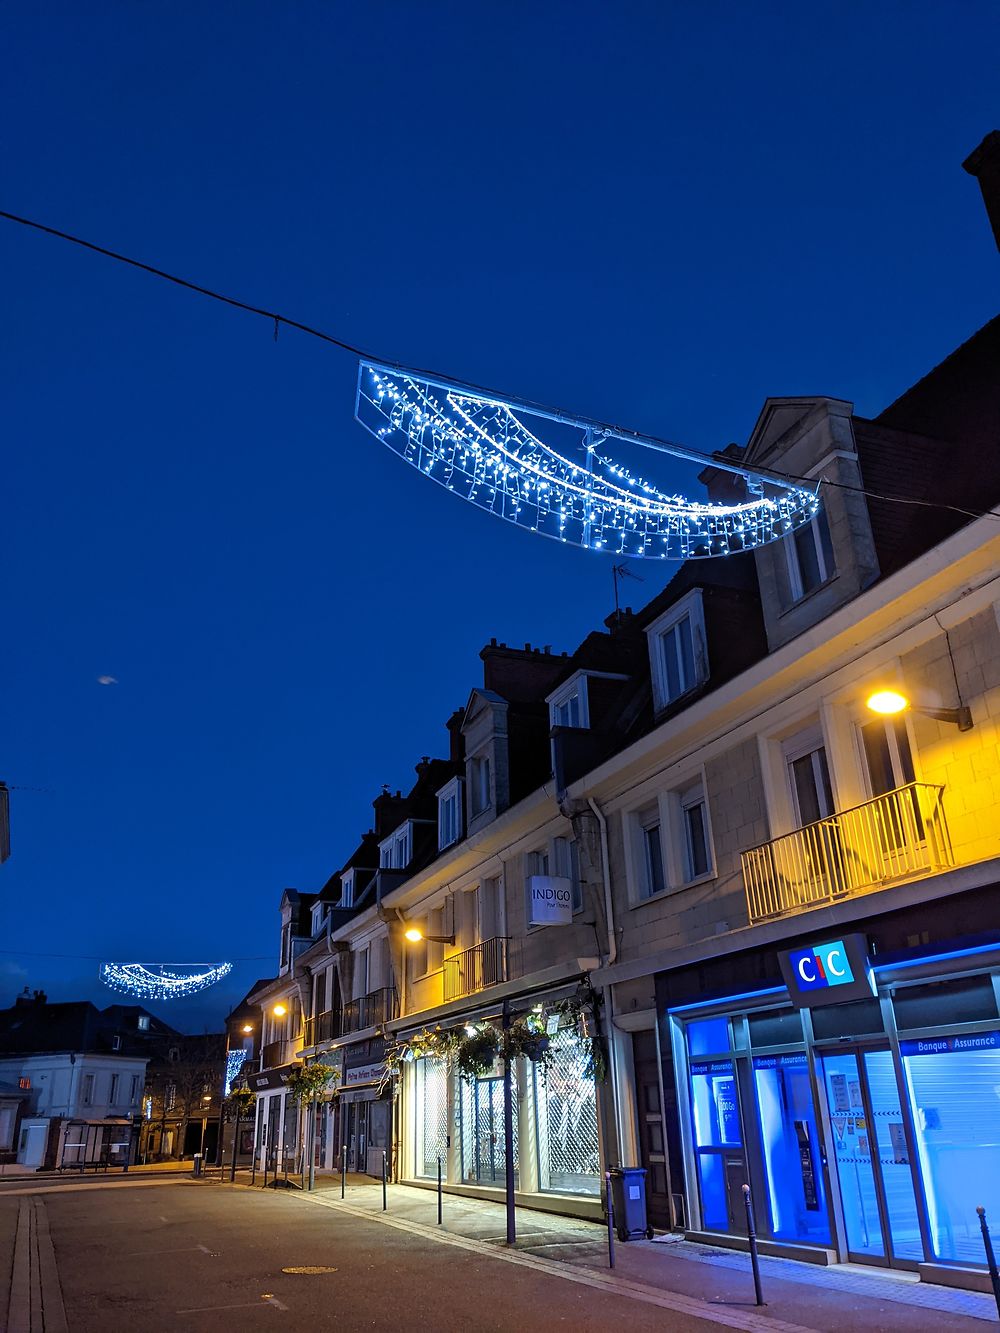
(101, 958)
(277, 319)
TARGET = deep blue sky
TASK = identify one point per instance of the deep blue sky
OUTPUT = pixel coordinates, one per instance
(655, 213)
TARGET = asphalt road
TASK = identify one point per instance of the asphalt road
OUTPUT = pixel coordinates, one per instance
(181, 1256)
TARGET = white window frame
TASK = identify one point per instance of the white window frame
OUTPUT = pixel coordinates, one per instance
(451, 794)
(113, 1097)
(574, 688)
(567, 864)
(680, 873)
(87, 1089)
(689, 607)
(318, 917)
(142, 1023)
(347, 888)
(796, 587)
(636, 824)
(802, 743)
(396, 851)
(476, 760)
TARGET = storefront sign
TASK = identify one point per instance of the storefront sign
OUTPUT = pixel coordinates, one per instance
(550, 900)
(971, 1041)
(270, 1078)
(364, 1074)
(828, 972)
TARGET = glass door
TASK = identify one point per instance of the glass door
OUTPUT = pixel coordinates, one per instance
(873, 1163)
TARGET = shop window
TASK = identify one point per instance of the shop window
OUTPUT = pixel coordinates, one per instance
(483, 1153)
(430, 1079)
(790, 1144)
(952, 1084)
(853, 1019)
(569, 1155)
(718, 1140)
(779, 1027)
(964, 1000)
(708, 1036)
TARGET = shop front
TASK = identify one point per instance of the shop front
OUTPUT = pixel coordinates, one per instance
(459, 1122)
(863, 1112)
(364, 1105)
(276, 1125)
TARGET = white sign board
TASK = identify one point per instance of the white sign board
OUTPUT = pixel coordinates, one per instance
(363, 1074)
(550, 900)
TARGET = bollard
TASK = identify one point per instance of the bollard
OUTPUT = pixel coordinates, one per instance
(128, 1154)
(343, 1169)
(991, 1259)
(752, 1236)
(385, 1202)
(197, 1164)
(439, 1193)
(611, 1222)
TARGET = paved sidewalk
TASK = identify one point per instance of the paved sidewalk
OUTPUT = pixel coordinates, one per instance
(807, 1295)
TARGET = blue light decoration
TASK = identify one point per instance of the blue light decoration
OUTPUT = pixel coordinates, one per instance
(162, 981)
(235, 1060)
(480, 448)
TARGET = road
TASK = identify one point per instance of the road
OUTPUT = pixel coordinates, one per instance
(176, 1255)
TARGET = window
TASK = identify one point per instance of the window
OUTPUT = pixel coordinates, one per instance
(88, 1090)
(170, 1097)
(347, 888)
(480, 794)
(450, 814)
(650, 858)
(113, 1099)
(537, 863)
(318, 917)
(361, 972)
(694, 823)
(568, 706)
(567, 861)
(396, 851)
(490, 909)
(809, 553)
(809, 779)
(142, 1022)
(886, 746)
(116, 1042)
(677, 650)
(133, 1095)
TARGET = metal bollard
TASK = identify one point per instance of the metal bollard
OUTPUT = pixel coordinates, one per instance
(752, 1236)
(440, 1218)
(385, 1202)
(197, 1164)
(991, 1259)
(611, 1221)
(343, 1169)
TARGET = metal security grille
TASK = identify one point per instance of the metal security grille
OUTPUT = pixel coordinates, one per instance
(569, 1157)
(483, 1156)
(432, 1117)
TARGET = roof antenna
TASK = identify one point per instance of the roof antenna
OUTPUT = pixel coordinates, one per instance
(618, 572)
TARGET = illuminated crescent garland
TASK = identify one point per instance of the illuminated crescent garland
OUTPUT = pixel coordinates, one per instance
(478, 448)
(162, 981)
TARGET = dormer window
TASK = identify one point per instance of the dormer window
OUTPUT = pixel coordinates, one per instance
(347, 888)
(809, 553)
(677, 653)
(480, 788)
(142, 1022)
(568, 706)
(449, 814)
(396, 851)
(318, 917)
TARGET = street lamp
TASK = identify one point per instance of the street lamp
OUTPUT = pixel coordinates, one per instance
(890, 703)
(279, 1010)
(416, 936)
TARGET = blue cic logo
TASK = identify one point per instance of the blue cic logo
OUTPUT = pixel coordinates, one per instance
(821, 966)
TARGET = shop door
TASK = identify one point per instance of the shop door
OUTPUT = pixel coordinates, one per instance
(488, 1139)
(873, 1162)
(652, 1143)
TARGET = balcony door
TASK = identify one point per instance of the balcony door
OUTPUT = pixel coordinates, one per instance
(897, 828)
(819, 862)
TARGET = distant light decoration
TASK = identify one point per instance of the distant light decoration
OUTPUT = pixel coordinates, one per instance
(162, 981)
(235, 1061)
(477, 447)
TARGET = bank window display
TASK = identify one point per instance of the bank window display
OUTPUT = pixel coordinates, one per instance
(718, 1140)
(569, 1157)
(953, 1084)
(430, 1086)
(790, 1143)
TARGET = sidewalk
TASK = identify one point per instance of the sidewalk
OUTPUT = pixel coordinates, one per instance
(805, 1295)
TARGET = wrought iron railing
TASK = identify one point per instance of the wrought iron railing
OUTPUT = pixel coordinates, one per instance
(369, 1011)
(278, 1053)
(474, 969)
(894, 837)
(322, 1027)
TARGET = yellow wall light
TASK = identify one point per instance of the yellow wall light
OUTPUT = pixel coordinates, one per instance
(279, 1010)
(414, 935)
(887, 702)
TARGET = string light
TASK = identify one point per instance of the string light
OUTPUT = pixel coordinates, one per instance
(162, 981)
(235, 1061)
(479, 449)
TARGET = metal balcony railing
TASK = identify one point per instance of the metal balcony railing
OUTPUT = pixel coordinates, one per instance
(474, 969)
(278, 1053)
(369, 1011)
(894, 837)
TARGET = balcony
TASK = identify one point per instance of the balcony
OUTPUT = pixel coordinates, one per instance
(278, 1053)
(474, 969)
(369, 1011)
(895, 837)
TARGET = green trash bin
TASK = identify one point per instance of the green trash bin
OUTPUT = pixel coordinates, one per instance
(628, 1197)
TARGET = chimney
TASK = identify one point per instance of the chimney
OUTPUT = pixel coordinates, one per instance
(984, 164)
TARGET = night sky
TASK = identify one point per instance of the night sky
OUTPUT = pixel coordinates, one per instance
(657, 214)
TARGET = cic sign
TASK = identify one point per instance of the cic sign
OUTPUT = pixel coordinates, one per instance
(550, 900)
(828, 972)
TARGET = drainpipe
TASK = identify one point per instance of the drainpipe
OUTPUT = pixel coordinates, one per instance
(609, 1008)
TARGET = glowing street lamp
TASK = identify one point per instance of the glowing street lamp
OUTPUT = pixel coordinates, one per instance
(279, 1010)
(890, 703)
(416, 936)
